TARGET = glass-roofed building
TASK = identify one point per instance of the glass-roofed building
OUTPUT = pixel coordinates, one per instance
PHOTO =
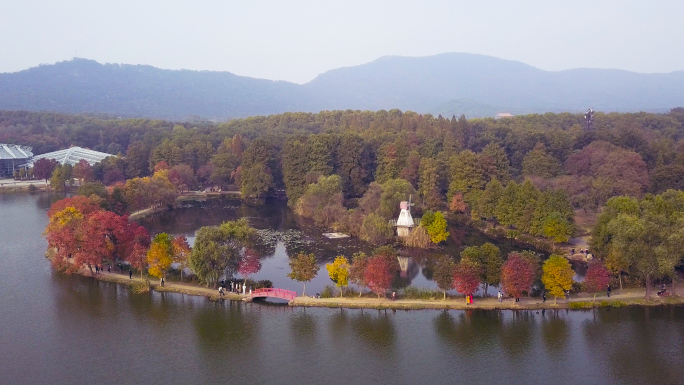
(73, 155)
(13, 157)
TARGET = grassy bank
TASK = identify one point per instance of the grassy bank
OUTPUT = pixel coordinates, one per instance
(632, 297)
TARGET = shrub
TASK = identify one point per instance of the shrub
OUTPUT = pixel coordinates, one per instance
(140, 287)
(512, 234)
(32, 188)
(580, 305)
(413, 292)
(497, 232)
(328, 292)
(612, 304)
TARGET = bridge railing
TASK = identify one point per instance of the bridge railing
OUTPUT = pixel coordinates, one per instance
(272, 292)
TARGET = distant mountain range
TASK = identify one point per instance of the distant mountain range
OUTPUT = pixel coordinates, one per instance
(447, 84)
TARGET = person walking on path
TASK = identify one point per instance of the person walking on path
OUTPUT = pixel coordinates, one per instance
(109, 268)
(161, 282)
(608, 291)
(130, 274)
(244, 288)
(499, 296)
(544, 297)
(220, 290)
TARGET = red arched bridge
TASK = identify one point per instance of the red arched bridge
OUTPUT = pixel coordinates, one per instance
(274, 293)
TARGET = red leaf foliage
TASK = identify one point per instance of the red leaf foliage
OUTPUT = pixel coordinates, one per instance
(466, 278)
(378, 274)
(81, 203)
(249, 263)
(597, 277)
(517, 275)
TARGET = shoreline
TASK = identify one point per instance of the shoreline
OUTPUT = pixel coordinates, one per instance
(628, 297)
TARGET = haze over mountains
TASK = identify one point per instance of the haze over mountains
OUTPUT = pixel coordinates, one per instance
(447, 84)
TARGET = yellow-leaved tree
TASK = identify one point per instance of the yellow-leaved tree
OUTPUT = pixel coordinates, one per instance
(339, 272)
(557, 276)
(160, 255)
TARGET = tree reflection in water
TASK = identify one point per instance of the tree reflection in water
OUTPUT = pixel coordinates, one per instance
(639, 344)
(375, 330)
(555, 331)
(228, 327)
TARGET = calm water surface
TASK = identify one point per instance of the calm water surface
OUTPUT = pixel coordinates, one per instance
(57, 329)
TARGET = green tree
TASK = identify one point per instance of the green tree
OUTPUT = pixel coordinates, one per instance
(393, 192)
(505, 207)
(303, 268)
(488, 259)
(557, 276)
(490, 198)
(466, 174)
(429, 182)
(539, 162)
(376, 229)
(557, 228)
(338, 271)
(217, 250)
(256, 182)
(444, 273)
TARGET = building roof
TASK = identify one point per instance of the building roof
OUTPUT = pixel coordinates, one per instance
(14, 151)
(504, 115)
(74, 155)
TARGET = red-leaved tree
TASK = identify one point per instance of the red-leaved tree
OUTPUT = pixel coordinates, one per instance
(517, 275)
(64, 238)
(85, 205)
(378, 274)
(466, 278)
(597, 278)
(249, 263)
(43, 168)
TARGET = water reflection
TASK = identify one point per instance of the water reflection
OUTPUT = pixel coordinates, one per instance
(555, 331)
(375, 329)
(468, 331)
(226, 326)
(638, 351)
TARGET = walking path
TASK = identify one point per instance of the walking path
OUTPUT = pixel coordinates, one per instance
(626, 297)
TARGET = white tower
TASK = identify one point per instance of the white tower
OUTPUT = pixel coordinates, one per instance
(405, 221)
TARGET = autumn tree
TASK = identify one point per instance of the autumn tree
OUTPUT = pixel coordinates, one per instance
(357, 269)
(338, 271)
(85, 205)
(64, 238)
(517, 275)
(444, 273)
(488, 259)
(83, 171)
(378, 274)
(181, 252)
(43, 168)
(597, 278)
(249, 263)
(303, 268)
(466, 277)
(557, 228)
(557, 276)
(160, 255)
(436, 225)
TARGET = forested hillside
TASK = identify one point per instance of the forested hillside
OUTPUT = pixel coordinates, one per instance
(452, 83)
(623, 153)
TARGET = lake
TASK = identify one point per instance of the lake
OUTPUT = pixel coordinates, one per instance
(58, 329)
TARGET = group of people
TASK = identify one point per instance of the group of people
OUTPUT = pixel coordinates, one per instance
(234, 287)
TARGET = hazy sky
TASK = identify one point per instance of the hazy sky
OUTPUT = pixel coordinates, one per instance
(297, 40)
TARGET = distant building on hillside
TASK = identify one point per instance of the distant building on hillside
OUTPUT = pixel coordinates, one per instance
(73, 155)
(502, 115)
(13, 157)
